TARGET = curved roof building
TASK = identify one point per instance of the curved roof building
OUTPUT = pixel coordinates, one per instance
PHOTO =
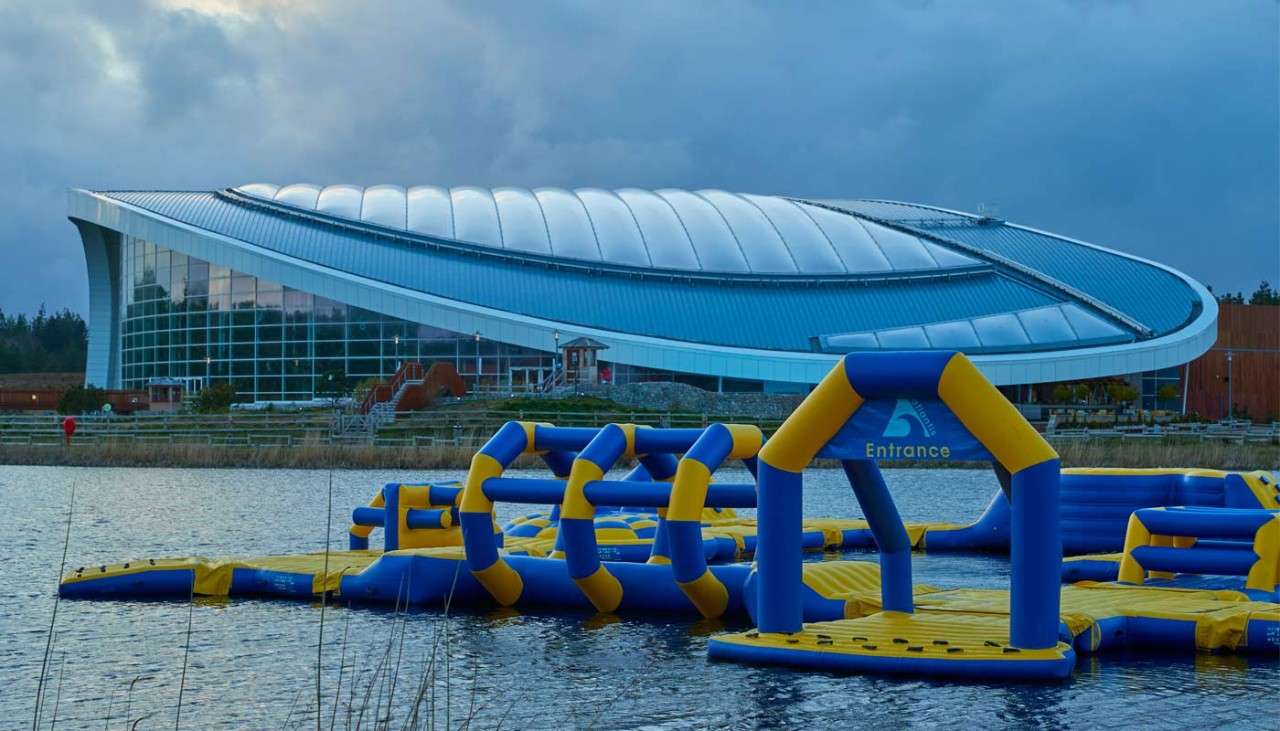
(759, 289)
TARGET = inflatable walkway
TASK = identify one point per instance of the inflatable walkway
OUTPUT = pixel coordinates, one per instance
(439, 545)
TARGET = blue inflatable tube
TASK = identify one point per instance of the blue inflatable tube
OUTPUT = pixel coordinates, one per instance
(647, 588)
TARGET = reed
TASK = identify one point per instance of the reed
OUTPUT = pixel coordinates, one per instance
(1168, 453)
(53, 618)
(1104, 452)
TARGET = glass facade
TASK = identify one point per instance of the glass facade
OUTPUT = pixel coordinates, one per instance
(201, 323)
(1170, 381)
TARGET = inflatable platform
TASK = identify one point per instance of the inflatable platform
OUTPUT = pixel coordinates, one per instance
(664, 539)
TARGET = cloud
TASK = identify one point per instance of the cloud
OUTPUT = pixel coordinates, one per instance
(1147, 126)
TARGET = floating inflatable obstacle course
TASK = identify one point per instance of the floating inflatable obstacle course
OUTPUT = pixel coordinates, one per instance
(1195, 554)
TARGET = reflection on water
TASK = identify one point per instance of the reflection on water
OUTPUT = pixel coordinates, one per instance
(252, 663)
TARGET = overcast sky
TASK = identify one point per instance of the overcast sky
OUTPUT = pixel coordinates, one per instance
(1151, 127)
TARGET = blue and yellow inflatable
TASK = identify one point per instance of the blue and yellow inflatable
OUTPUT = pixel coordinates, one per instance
(1196, 553)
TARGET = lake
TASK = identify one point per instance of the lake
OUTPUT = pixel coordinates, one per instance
(252, 664)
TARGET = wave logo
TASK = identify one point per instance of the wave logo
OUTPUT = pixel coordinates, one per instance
(908, 415)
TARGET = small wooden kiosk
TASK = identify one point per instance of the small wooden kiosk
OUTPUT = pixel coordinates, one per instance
(580, 358)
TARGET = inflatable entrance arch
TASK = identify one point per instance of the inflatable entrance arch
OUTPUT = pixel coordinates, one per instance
(932, 406)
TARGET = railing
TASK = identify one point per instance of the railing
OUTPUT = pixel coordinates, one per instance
(410, 370)
(1239, 431)
(167, 421)
(557, 378)
(456, 425)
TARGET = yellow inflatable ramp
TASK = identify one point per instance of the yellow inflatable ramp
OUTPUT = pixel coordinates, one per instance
(1099, 616)
(854, 586)
(933, 643)
(279, 575)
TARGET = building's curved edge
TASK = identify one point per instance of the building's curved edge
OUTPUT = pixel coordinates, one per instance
(1208, 303)
(686, 357)
(102, 359)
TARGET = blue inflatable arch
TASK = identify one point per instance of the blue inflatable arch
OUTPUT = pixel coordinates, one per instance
(903, 406)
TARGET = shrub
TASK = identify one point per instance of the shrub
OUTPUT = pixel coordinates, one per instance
(1122, 393)
(82, 399)
(216, 398)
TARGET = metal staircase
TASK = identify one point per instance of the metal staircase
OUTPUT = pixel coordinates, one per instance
(378, 409)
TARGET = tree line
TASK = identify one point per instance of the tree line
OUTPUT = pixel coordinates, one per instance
(1263, 295)
(45, 343)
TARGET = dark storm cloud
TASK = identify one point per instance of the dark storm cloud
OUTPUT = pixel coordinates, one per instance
(1148, 126)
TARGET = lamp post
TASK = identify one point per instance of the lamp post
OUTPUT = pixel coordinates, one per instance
(477, 359)
(1230, 403)
(207, 362)
(555, 354)
(397, 341)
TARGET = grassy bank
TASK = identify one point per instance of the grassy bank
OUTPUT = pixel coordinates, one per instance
(1075, 453)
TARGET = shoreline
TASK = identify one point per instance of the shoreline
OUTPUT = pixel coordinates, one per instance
(1074, 453)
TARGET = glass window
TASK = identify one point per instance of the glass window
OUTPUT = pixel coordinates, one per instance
(359, 314)
(269, 389)
(197, 278)
(220, 294)
(330, 349)
(270, 294)
(327, 366)
(363, 348)
(297, 303)
(427, 332)
(327, 309)
(363, 367)
(330, 332)
(242, 292)
(364, 330)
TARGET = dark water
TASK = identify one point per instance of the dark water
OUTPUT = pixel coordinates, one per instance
(252, 663)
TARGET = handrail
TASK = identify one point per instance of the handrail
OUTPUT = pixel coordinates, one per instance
(383, 392)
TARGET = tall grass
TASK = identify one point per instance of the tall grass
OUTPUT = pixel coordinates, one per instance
(53, 617)
(324, 598)
(186, 651)
(1107, 452)
(1171, 452)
